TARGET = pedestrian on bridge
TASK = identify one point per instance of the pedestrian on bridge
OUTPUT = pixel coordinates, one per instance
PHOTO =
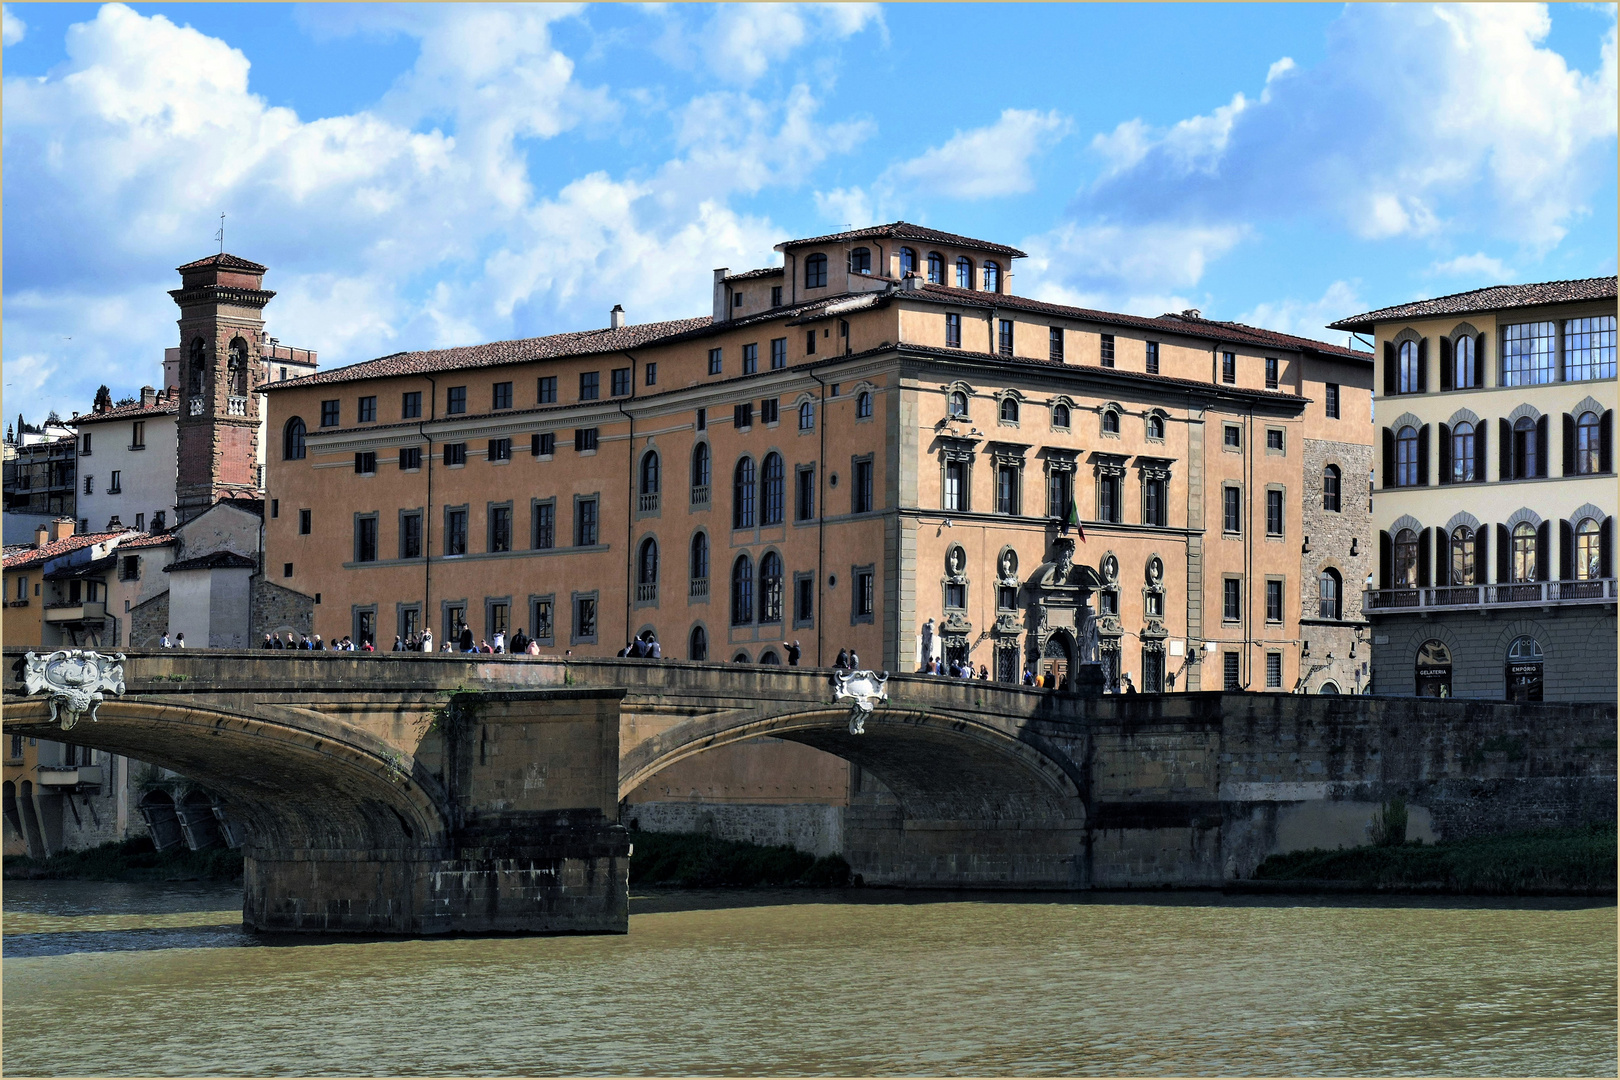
(841, 663)
(467, 643)
(793, 653)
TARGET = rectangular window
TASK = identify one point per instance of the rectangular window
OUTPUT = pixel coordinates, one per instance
(1228, 367)
(89, 489)
(585, 440)
(809, 342)
(651, 370)
(1106, 351)
(778, 353)
(455, 532)
(1232, 436)
(1231, 510)
(455, 453)
(367, 410)
(953, 331)
(584, 619)
(1154, 502)
(500, 449)
(620, 381)
(750, 359)
(1274, 439)
(1528, 351)
(956, 473)
(1004, 337)
(1273, 670)
(129, 568)
(502, 396)
(768, 413)
(1007, 489)
(1054, 348)
(1274, 601)
(117, 485)
(1274, 513)
(742, 415)
(541, 625)
(1229, 665)
(365, 539)
(410, 405)
(1231, 600)
(590, 385)
(84, 445)
(861, 495)
(410, 458)
(584, 522)
(140, 521)
(548, 390)
(1271, 373)
(303, 522)
(1108, 499)
(331, 411)
(138, 436)
(1331, 400)
(702, 420)
(500, 528)
(715, 361)
(455, 400)
(410, 536)
(1153, 358)
(776, 296)
(1589, 348)
(864, 600)
(543, 526)
(1059, 492)
(804, 502)
(542, 444)
(365, 462)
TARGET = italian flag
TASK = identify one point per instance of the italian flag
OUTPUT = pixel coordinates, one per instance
(1074, 520)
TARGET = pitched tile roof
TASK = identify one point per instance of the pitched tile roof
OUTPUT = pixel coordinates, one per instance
(904, 230)
(214, 560)
(225, 261)
(134, 410)
(161, 539)
(1214, 329)
(764, 271)
(1487, 299)
(55, 548)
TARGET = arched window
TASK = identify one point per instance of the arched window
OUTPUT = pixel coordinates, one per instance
(860, 261)
(1406, 457)
(649, 473)
(1524, 448)
(700, 559)
(292, 440)
(196, 365)
(992, 276)
(647, 562)
(770, 490)
(740, 658)
(700, 467)
(769, 657)
(807, 416)
(1155, 426)
(1330, 488)
(1432, 671)
(956, 405)
(742, 591)
(1408, 368)
(815, 272)
(1060, 415)
(1009, 410)
(1588, 443)
(1524, 552)
(1524, 670)
(770, 588)
(908, 261)
(1110, 421)
(742, 495)
(238, 367)
(697, 647)
(1329, 588)
(936, 268)
(1406, 559)
(1463, 571)
(1462, 362)
(1462, 452)
(863, 405)
(964, 273)
(1588, 550)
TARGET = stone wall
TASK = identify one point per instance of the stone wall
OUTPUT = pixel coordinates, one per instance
(1331, 538)
(816, 828)
(1578, 643)
(277, 610)
(148, 622)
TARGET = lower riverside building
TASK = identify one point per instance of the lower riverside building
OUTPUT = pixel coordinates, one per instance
(1496, 495)
(876, 446)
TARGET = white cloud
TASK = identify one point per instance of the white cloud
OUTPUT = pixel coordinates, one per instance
(983, 163)
(14, 28)
(738, 43)
(1122, 267)
(1308, 318)
(846, 207)
(1478, 266)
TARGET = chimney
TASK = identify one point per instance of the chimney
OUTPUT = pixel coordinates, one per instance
(42, 535)
(722, 304)
(148, 396)
(61, 528)
(616, 317)
(912, 283)
(1192, 313)
(113, 524)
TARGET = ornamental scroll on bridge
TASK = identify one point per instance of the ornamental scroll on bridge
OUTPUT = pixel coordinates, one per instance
(863, 689)
(75, 679)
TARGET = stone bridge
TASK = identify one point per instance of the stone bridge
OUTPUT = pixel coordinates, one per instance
(401, 793)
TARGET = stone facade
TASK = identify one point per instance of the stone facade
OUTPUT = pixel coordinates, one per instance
(277, 610)
(1576, 643)
(148, 622)
(1340, 541)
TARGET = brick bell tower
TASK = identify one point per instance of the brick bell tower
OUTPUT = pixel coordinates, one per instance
(221, 339)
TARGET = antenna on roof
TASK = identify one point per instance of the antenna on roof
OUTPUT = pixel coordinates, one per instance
(220, 236)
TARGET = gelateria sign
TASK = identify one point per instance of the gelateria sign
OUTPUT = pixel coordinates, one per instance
(77, 681)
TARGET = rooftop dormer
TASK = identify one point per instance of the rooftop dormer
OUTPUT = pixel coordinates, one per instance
(864, 259)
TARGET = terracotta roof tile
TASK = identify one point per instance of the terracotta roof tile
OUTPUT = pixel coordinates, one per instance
(214, 560)
(153, 540)
(1491, 298)
(762, 272)
(225, 261)
(904, 230)
(135, 410)
(55, 548)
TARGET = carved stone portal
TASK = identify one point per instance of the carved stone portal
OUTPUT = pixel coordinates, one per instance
(75, 680)
(863, 690)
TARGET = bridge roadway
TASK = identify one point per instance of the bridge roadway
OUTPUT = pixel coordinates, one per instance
(401, 793)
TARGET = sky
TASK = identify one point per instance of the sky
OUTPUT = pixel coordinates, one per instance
(420, 176)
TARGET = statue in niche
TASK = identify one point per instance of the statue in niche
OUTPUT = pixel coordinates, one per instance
(953, 562)
(1109, 568)
(1009, 564)
(1065, 560)
(1088, 638)
(1155, 570)
(925, 651)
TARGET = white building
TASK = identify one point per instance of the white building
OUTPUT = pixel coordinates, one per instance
(127, 464)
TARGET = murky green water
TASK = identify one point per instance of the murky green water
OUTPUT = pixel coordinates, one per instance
(159, 980)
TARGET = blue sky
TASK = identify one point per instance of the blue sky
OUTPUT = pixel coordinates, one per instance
(419, 176)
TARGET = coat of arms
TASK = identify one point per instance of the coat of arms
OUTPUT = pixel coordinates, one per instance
(75, 680)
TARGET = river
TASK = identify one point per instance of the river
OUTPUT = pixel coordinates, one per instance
(160, 980)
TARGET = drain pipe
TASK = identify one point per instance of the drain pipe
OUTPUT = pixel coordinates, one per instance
(630, 504)
(427, 509)
(821, 522)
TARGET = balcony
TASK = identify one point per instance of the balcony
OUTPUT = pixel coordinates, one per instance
(647, 502)
(194, 407)
(235, 406)
(1517, 594)
(700, 589)
(647, 593)
(70, 776)
(90, 611)
(700, 494)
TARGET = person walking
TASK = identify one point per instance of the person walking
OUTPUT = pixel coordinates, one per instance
(165, 643)
(532, 648)
(793, 653)
(984, 673)
(427, 641)
(275, 643)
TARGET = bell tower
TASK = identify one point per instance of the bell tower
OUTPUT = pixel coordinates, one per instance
(221, 341)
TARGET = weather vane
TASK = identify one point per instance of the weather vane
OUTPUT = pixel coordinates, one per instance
(220, 236)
